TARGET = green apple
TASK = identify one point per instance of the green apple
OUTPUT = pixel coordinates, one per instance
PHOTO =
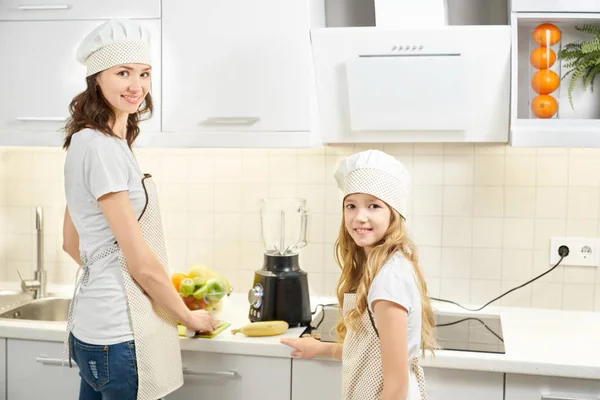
(201, 293)
(186, 287)
(199, 282)
(216, 289)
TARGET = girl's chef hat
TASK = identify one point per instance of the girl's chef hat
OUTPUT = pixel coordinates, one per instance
(378, 174)
(115, 42)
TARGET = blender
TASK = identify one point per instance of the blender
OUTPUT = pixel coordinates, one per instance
(280, 289)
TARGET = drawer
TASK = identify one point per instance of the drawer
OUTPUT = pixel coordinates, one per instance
(529, 387)
(26, 10)
(210, 376)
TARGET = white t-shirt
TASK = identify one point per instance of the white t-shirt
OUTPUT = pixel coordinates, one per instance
(397, 282)
(95, 165)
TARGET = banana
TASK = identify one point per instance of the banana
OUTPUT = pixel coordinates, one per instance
(263, 328)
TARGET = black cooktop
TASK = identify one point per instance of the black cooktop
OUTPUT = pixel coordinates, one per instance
(469, 332)
(455, 331)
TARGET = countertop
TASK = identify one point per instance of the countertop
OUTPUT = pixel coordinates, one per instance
(537, 341)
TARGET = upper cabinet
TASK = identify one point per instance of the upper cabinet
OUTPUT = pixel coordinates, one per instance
(238, 73)
(21, 10)
(555, 59)
(43, 76)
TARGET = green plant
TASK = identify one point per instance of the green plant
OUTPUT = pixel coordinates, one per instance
(582, 60)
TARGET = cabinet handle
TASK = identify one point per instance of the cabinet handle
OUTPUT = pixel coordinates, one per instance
(50, 361)
(42, 7)
(41, 119)
(216, 374)
(230, 121)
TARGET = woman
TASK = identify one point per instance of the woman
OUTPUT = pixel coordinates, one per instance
(122, 329)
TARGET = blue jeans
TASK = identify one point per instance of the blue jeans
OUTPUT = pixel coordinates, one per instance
(108, 372)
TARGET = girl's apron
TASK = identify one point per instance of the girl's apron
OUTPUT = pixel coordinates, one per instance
(362, 371)
(155, 334)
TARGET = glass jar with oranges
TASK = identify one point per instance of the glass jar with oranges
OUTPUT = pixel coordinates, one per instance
(545, 71)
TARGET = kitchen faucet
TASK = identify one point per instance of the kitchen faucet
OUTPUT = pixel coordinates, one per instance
(37, 285)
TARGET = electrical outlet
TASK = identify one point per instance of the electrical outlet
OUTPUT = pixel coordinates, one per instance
(583, 252)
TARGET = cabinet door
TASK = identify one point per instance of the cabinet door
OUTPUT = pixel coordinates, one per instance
(210, 376)
(77, 9)
(236, 65)
(527, 387)
(2, 369)
(43, 76)
(316, 379)
(35, 372)
(452, 384)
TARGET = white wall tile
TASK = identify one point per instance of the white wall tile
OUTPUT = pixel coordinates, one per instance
(552, 170)
(481, 214)
(489, 170)
(519, 201)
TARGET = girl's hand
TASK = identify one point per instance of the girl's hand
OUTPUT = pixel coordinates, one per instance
(306, 347)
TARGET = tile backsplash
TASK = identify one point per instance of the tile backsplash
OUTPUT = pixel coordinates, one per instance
(482, 215)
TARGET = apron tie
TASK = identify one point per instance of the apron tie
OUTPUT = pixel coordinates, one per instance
(420, 375)
(82, 277)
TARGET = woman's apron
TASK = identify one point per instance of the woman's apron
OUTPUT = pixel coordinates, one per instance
(155, 333)
(362, 371)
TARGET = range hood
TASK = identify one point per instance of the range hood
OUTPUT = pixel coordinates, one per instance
(421, 82)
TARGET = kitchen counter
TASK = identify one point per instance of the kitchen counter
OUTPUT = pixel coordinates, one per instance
(537, 341)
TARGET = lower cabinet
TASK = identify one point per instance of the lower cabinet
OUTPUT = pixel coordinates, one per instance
(2, 369)
(316, 379)
(527, 387)
(453, 384)
(34, 371)
(215, 376)
(322, 379)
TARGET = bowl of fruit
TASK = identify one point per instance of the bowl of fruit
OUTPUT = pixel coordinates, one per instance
(201, 288)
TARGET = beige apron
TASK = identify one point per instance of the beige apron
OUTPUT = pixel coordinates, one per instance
(362, 372)
(157, 346)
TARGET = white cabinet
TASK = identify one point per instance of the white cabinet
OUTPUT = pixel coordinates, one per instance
(43, 76)
(527, 387)
(453, 384)
(2, 369)
(210, 376)
(238, 73)
(559, 6)
(77, 9)
(34, 371)
(316, 379)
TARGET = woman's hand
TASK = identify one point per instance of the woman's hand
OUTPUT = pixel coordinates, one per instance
(200, 321)
(305, 347)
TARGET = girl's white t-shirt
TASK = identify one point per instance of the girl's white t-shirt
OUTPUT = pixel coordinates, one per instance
(95, 165)
(397, 282)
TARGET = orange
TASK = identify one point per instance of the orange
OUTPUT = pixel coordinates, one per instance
(544, 106)
(176, 279)
(542, 57)
(545, 81)
(546, 35)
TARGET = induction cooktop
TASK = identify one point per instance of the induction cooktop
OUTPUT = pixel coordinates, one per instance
(455, 331)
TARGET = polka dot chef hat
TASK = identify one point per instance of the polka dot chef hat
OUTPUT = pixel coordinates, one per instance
(378, 174)
(115, 42)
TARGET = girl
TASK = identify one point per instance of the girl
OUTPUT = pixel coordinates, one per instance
(387, 317)
(122, 326)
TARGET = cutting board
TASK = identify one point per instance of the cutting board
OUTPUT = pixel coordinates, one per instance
(211, 335)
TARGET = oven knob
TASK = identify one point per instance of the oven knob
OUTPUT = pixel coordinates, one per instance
(255, 296)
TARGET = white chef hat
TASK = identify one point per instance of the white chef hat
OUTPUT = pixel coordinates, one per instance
(378, 174)
(115, 42)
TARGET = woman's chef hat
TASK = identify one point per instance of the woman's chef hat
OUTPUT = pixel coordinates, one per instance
(378, 174)
(115, 42)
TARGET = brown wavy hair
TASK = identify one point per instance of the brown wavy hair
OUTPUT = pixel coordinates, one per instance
(358, 272)
(90, 109)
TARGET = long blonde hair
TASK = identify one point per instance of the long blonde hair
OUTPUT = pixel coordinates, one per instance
(358, 272)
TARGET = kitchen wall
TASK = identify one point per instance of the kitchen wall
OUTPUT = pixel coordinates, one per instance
(482, 215)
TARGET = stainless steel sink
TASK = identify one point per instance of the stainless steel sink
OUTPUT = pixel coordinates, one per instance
(45, 309)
